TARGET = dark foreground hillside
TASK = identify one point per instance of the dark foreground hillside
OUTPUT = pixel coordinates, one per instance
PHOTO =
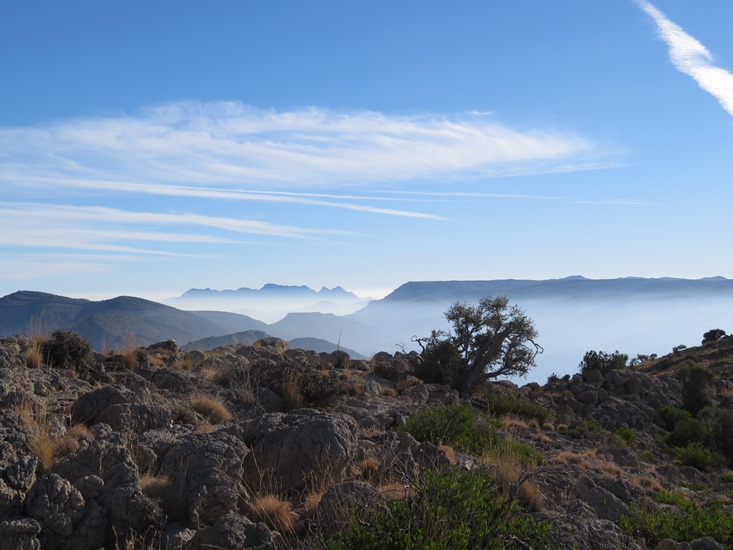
(261, 446)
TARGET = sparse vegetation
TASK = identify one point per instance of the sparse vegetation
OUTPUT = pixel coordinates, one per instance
(275, 512)
(450, 509)
(213, 410)
(66, 350)
(503, 404)
(685, 522)
(603, 361)
(467, 430)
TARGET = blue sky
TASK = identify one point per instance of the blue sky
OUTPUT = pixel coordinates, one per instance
(147, 148)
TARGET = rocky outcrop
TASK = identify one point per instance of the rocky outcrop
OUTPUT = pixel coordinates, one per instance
(288, 449)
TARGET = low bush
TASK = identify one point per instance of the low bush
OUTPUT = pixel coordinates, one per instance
(212, 409)
(665, 497)
(274, 512)
(467, 430)
(302, 385)
(697, 455)
(450, 509)
(686, 523)
(603, 361)
(504, 404)
(66, 350)
(695, 382)
(628, 435)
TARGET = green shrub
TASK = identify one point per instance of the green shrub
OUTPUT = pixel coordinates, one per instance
(672, 415)
(467, 430)
(386, 371)
(504, 404)
(695, 381)
(628, 435)
(666, 497)
(722, 437)
(603, 361)
(451, 509)
(313, 389)
(689, 523)
(696, 455)
(581, 430)
(439, 363)
(686, 432)
(66, 350)
(648, 455)
(726, 477)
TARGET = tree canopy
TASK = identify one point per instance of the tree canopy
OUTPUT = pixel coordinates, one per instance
(485, 341)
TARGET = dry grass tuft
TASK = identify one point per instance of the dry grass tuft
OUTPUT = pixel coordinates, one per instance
(212, 409)
(368, 468)
(602, 467)
(449, 451)
(312, 501)
(157, 487)
(386, 391)
(186, 364)
(531, 496)
(274, 512)
(548, 427)
(515, 482)
(568, 456)
(42, 443)
(541, 437)
(34, 358)
(292, 397)
(211, 373)
(514, 423)
(69, 444)
(647, 483)
(395, 491)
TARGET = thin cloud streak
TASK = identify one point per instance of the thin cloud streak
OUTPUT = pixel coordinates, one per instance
(241, 195)
(35, 225)
(692, 58)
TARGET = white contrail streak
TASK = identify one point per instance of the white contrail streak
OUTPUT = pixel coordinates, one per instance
(692, 58)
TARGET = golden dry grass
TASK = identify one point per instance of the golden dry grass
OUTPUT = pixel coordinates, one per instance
(42, 442)
(541, 437)
(34, 358)
(449, 451)
(548, 427)
(275, 512)
(395, 491)
(157, 487)
(71, 441)
(514, 423)
(602, 467)
(516, 482)
(368, 468)
(311, 502)
(292, 397)
(568, 456)
(386, 391)
(212, 409)
(531, 496)
(645, 482)
(210, 373)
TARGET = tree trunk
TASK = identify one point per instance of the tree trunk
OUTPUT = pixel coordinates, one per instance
(484, 357)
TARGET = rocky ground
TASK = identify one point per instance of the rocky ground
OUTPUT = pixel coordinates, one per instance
(266, 447)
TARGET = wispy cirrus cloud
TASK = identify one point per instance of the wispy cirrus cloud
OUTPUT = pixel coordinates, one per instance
(690, 57)
(39, 225)
(229, 144)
